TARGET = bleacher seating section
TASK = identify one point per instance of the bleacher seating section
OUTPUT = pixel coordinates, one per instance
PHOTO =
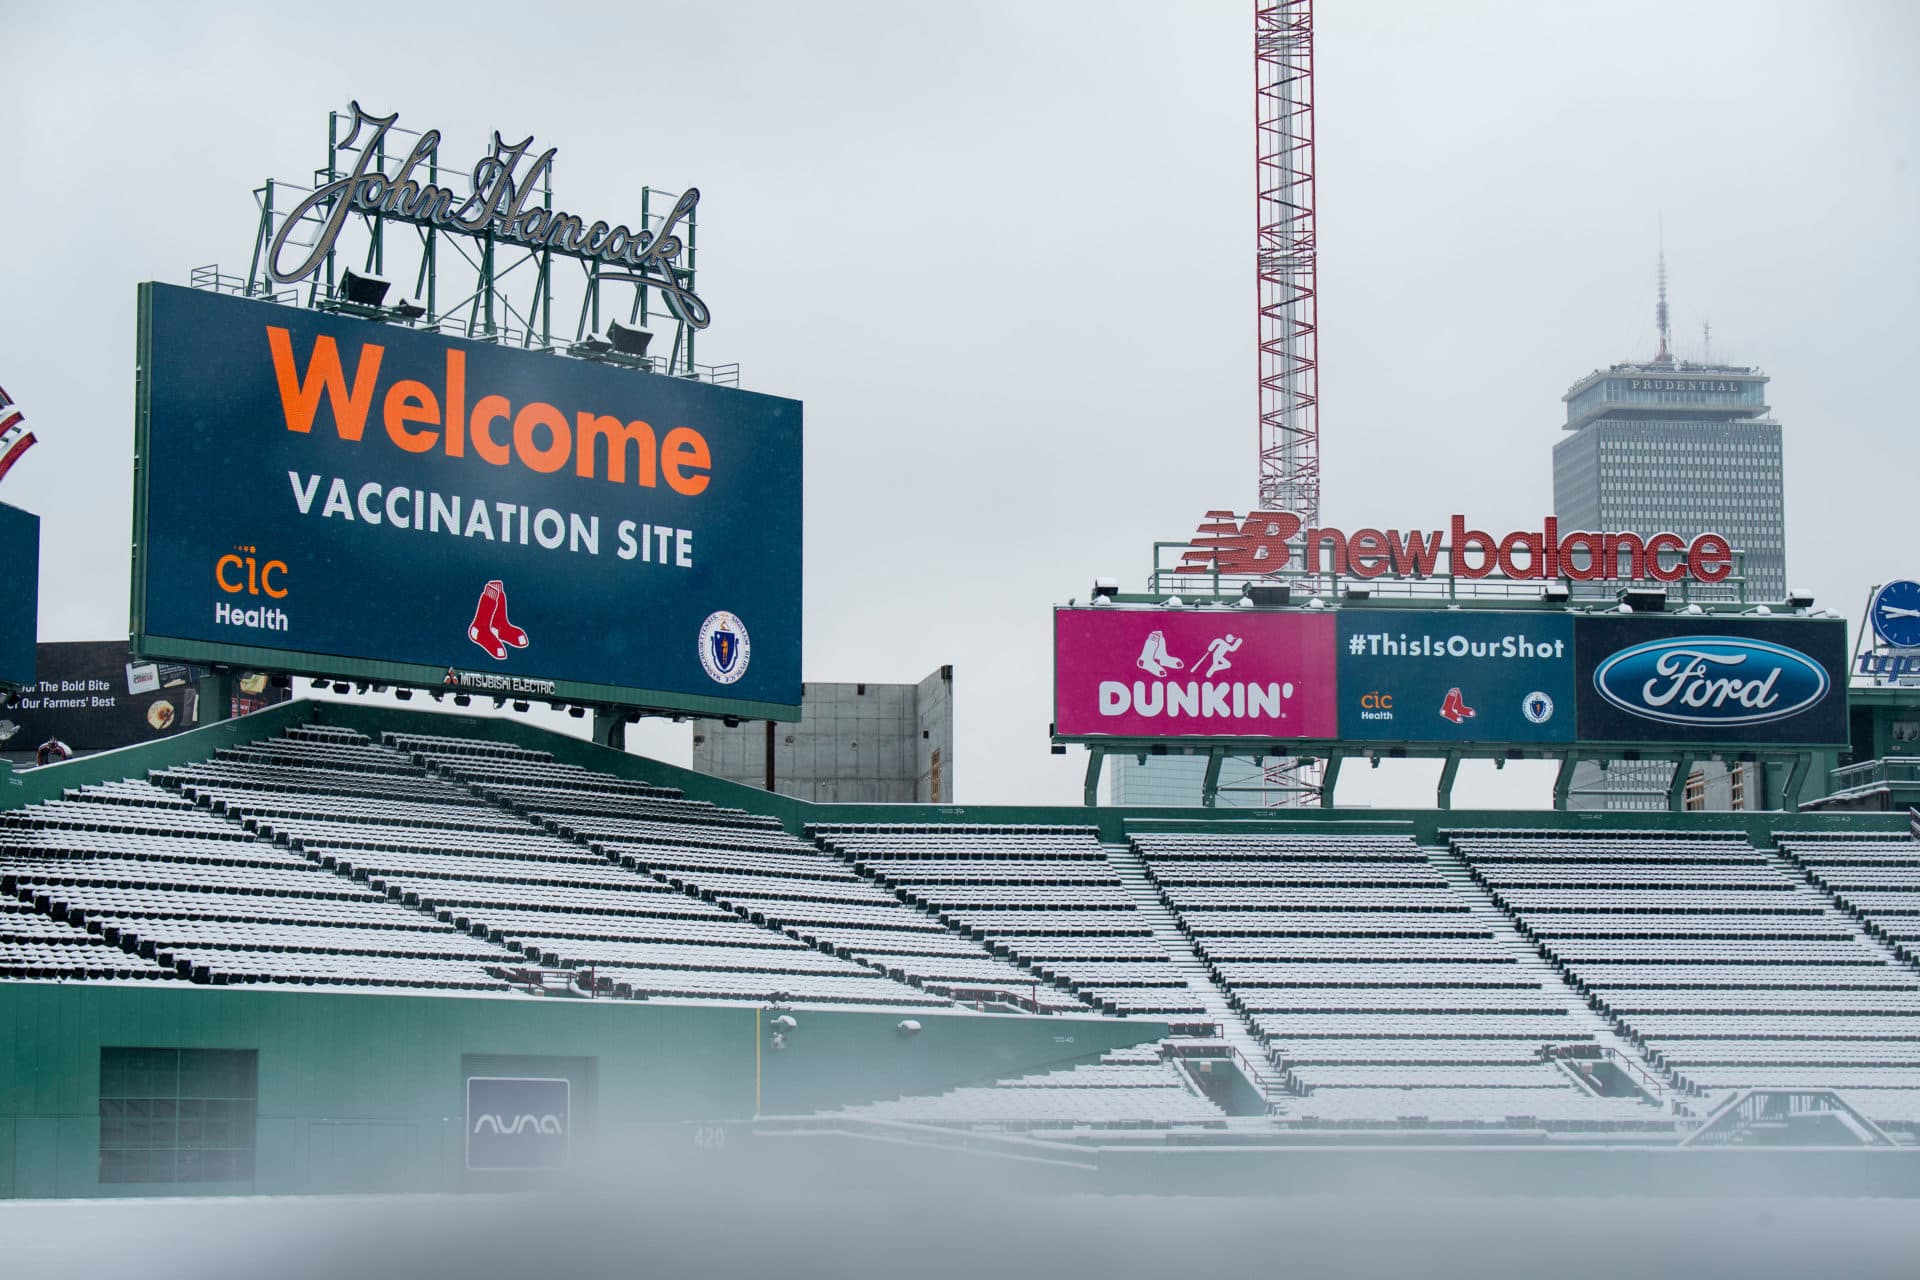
(1375, 986)
(1726, 967)
(1046, 896)
(1592, 980)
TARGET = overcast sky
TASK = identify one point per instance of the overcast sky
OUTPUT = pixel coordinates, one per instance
(1004, 253)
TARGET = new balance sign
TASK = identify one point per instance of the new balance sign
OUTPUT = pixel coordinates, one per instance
(1263, 543)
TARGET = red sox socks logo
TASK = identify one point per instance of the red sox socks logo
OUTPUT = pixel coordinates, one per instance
(491, 629)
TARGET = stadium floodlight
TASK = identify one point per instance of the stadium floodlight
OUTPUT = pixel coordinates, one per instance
(362, 289)
(1644, 599)
(519, 704)
(1800, 599)
(1266, 597)
(321, 684)
(1059, 748)
(1106, 588)
(1358, 593)
(405, 695)
(576, 711)
(1558, 593)
(462, 700)
(341, 686)
(408, 309)
(628, 340)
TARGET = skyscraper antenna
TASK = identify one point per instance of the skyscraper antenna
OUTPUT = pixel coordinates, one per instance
(1665, 354)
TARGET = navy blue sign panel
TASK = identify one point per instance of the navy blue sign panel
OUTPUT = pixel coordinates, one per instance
(317, 491)
(1712, 680)
(1435, 677)
(19, 594)
(517, 1122)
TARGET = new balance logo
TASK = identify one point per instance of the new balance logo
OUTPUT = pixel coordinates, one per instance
(1258, 545)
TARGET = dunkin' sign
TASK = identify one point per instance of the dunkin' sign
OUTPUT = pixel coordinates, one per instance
(1215, 673)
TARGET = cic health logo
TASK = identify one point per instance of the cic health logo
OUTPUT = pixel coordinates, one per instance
(253, 585)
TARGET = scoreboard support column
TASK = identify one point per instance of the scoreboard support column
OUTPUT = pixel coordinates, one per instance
(1443, 796)
(1677, 788)
(1096, 756)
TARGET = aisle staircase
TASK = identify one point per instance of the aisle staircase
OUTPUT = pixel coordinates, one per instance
(1581, 1015)
(1234, 1031)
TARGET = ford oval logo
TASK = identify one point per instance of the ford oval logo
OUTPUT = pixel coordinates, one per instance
(1711, 681)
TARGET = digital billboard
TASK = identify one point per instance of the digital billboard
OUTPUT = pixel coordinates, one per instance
(1712, 680)
(1216, 673)
(1408, 675)
(321, 494)
(1434, 679)
(92, 695)
(19, 593)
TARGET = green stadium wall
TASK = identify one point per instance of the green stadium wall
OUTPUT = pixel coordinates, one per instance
(365, 1093)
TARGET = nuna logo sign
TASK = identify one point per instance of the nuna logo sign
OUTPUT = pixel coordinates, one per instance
(517, 1122)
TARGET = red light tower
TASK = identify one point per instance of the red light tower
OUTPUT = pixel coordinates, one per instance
(1287, 293)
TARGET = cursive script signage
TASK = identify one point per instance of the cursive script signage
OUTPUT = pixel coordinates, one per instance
(498, 205)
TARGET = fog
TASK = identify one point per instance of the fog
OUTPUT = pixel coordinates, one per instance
(659, 1229)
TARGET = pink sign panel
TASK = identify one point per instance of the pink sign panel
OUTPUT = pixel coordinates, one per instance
(1214, 673)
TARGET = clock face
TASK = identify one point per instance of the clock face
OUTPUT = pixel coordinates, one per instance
(1895, 613)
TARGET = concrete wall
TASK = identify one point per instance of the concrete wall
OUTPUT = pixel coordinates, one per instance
(854, 744)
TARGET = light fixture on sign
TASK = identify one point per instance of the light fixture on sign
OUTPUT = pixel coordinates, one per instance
(628, 340)
(363, 290)
(1644, 599)
(1267, 597)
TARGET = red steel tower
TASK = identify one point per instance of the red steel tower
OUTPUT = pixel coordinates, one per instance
(1289, 328)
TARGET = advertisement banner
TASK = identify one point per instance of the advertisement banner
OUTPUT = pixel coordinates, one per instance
(19, 593)
(1216, 673)
(327, 495)
(1431, 676)
(1712, 680)
(93, 696)
(517, 1123)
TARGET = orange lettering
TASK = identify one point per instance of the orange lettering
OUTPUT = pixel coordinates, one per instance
(486, 410)
(554, 456)
(300, 396)
(639, 434)
(409, 402)
(686, 449)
